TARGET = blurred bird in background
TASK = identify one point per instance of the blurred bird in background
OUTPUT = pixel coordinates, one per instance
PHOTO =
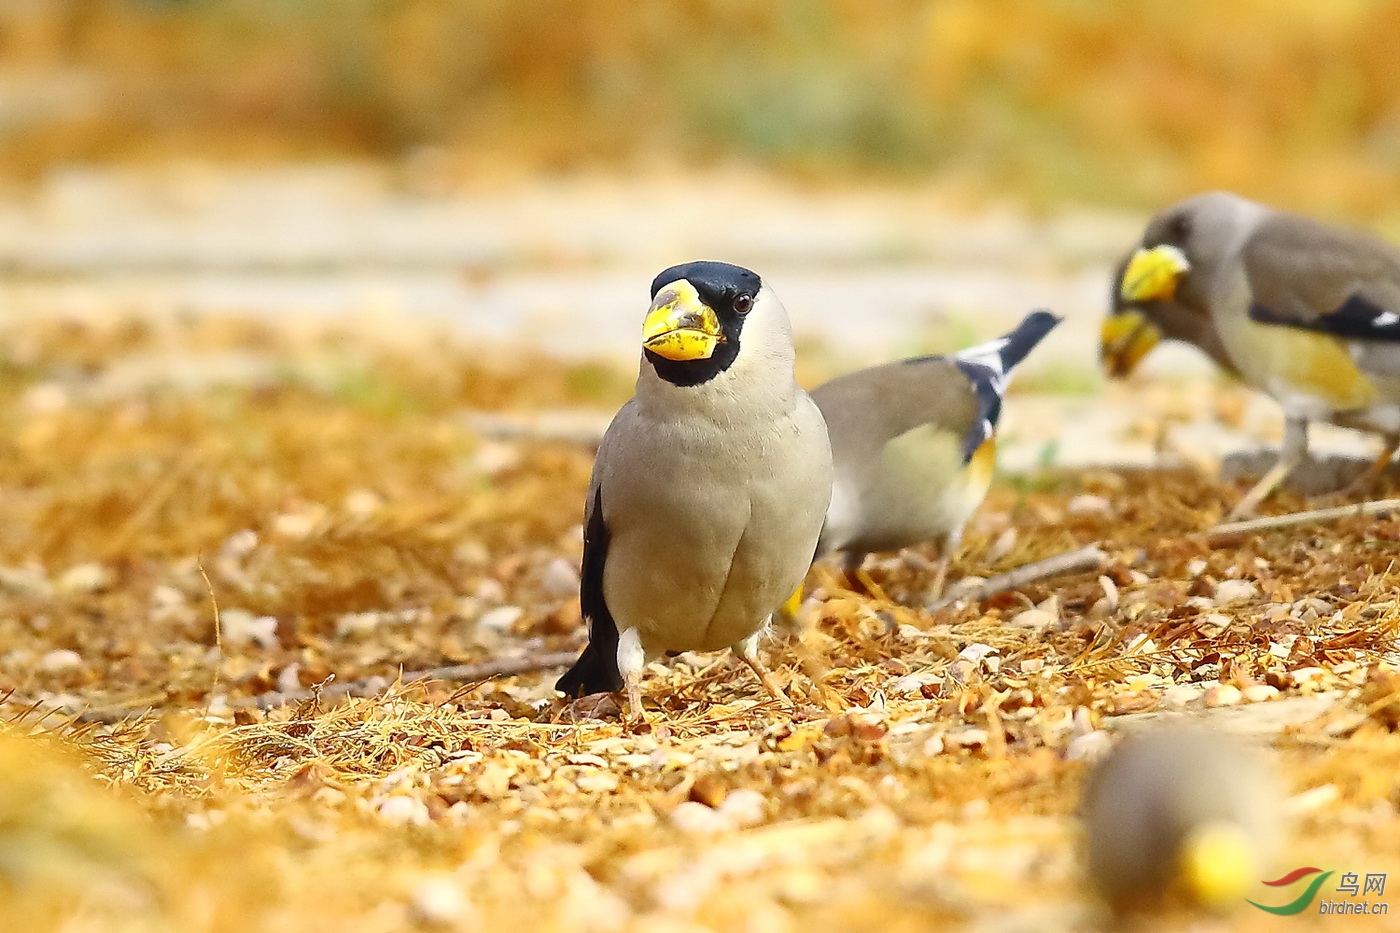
(1305, 312)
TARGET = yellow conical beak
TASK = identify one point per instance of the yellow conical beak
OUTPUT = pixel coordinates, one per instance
(1125, 339)
(1218, 864)
(679, 326)
(1153, 274)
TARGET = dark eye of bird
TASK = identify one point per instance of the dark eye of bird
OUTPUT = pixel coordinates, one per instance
(1180, 229)
(743, 303)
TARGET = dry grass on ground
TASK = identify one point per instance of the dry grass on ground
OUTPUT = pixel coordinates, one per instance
(327, 481)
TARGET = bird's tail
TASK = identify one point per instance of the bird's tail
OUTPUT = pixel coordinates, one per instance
(988, 367)
(595, 671)
(1006, 352)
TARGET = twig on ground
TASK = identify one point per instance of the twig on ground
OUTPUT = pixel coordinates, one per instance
(1268, 523)
(369, 686)
(1089, 557)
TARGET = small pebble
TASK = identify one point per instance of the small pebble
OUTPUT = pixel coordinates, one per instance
(1110, 592)
(167, 597)
(501, 618)
(976, 653)
(966, 737)
(494, 457)
(1259, 693)
(239, 544)
(1212, 624)
(1001, 546)
(1312, 799)
(356, 624)
(295, 525)
(490, 590)
(1183, 695)
(1306, 675)
(438, 901)
(1223, 695)
(400, 809)
(1233, 592)
(84, 578)
(1091, 746)
(27, 580)
(60, 660)
(289, 678)
(1036, 619)
(1087, 504)
(708, 790)
(913, 684)
(239, 627)
(696, 819)
(45, 398)
(746, 807)
(559, 579)
(362, 503)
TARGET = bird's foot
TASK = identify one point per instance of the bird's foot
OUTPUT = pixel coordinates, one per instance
(940, 579)
(747, 650)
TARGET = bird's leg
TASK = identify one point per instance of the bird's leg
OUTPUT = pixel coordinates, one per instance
(851, 562)
(940, 576)
(631, 661)
(1365, 484)
(951, 542)
(747, 650)
(1295, 448)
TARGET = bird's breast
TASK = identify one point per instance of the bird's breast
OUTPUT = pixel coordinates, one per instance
(714, 533)
(1300, 368)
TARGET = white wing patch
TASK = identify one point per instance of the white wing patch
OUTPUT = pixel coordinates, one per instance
(988, 356)
(1386, 319)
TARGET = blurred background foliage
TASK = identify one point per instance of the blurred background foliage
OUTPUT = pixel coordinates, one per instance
(1128, 102)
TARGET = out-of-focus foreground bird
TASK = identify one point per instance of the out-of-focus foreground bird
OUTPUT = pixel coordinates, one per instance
(1305, 312)
(914, 444)
(1179, 815)
(709, 487)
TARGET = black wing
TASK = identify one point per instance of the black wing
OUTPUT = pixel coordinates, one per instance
(595, 671)
(1312, 277)
(1357, 318)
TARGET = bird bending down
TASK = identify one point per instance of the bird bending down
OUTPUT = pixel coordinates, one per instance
(913, 444)
(1305, 312)
(1178, 813)
(709, 486)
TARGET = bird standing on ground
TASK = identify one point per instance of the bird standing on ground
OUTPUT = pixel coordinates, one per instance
(1182, 813)
(1305, 312)
(914, 444)
(709, 487)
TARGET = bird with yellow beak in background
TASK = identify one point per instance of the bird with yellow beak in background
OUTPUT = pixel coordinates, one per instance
(709, 487)
(1305, 312)
(1179, 816)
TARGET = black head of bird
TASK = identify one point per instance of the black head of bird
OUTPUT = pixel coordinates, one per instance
(1164, 288)
(1133, 329)
(695, 327)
